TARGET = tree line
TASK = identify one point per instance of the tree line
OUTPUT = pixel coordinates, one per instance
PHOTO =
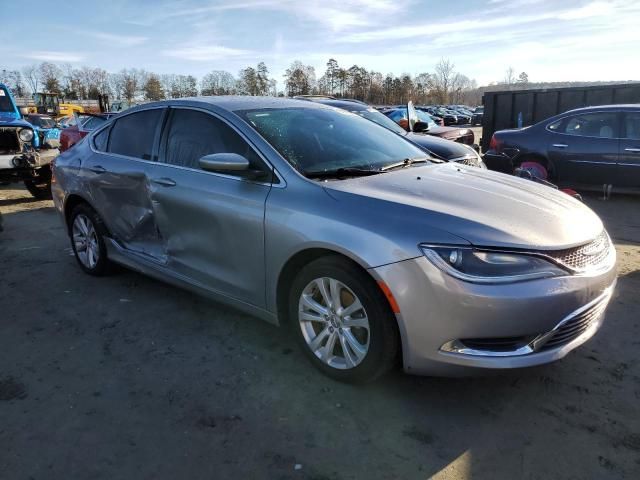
(444, 85)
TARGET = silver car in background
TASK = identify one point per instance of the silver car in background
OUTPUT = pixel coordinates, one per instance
(317, 219)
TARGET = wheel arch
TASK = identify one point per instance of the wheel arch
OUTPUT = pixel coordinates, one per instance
(303, 257)
(70, 203)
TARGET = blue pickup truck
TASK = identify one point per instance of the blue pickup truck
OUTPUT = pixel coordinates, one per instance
(26, 151)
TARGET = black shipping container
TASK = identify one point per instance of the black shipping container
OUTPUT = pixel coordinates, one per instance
(503, 109)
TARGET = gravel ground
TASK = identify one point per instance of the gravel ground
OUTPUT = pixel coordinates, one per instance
(125, 377)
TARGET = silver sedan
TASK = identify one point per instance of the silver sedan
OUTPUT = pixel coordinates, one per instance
(314, 218)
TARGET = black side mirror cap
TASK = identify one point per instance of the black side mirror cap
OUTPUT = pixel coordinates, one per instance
(420, 127)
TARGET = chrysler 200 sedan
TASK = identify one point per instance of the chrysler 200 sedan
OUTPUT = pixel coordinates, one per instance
(315, 218)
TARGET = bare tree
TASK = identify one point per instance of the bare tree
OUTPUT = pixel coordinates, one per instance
(509, 76)
(32, 77)
(218, 82)
(443, 78)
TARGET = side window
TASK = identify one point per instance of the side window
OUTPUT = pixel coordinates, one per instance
(632, 126)
(193, 134)
(554, 127)
(133, 135)
(100, 140)
(601, 125)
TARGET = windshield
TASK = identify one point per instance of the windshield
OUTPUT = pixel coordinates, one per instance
(5, 101)
(43, 122)
(316, 140)
(381, 119)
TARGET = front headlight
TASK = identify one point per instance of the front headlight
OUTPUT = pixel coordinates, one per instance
(26, 134)
(489, 266)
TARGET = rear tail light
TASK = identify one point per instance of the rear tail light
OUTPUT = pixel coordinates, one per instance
(495, 144)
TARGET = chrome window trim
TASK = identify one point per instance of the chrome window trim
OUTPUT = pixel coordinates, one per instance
(281, 182)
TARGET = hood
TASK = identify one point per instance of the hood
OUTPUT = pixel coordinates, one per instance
(445, 149)
(483, 207)
(10, 119)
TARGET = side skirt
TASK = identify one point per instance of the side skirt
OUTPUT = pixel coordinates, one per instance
(143, 264)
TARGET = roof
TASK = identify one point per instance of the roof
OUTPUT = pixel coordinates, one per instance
(240, 102)
(350, 105)
(620, 106)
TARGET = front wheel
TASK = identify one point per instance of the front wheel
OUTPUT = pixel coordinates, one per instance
(40, 188)
(342, 321)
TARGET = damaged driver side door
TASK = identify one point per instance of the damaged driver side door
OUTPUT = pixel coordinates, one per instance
(116, 174)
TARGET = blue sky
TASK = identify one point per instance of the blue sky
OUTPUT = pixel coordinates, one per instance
(550, 40)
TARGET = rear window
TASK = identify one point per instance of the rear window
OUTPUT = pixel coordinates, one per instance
(133, 135)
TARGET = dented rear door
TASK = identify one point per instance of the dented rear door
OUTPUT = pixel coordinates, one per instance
(117, 176)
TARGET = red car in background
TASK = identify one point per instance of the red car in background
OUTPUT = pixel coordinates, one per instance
(79, 127)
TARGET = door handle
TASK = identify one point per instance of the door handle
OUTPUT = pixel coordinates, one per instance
(635, 150)
(98, 169)
(164, 181)
(560, 145)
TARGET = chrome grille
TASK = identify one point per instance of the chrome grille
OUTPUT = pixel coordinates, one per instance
(9, 142)
(575, 326)
(585, 257)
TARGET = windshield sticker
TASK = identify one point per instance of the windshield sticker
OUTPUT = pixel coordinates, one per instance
(2, 94)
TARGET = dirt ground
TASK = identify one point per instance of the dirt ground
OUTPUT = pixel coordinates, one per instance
(125, 377)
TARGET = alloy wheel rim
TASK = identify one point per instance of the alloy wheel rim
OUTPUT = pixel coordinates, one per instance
(334, 323)
(85, 241)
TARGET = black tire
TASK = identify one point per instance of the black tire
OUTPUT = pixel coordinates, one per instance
(102, 265)
(383, 334)
(40, 189)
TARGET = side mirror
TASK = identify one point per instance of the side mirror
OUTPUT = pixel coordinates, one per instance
(420, 127)
(223, 162)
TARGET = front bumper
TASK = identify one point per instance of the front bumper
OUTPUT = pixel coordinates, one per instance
(437, 310)
(24, 165)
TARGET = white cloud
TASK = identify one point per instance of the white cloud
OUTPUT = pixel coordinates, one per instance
(53, 56)
(338, 15)
(200, 53)
(119, 40)
(594, 9)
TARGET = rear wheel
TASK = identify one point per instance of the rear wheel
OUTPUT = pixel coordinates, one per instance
(541, 162)
(87, 240)
(342, 321)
